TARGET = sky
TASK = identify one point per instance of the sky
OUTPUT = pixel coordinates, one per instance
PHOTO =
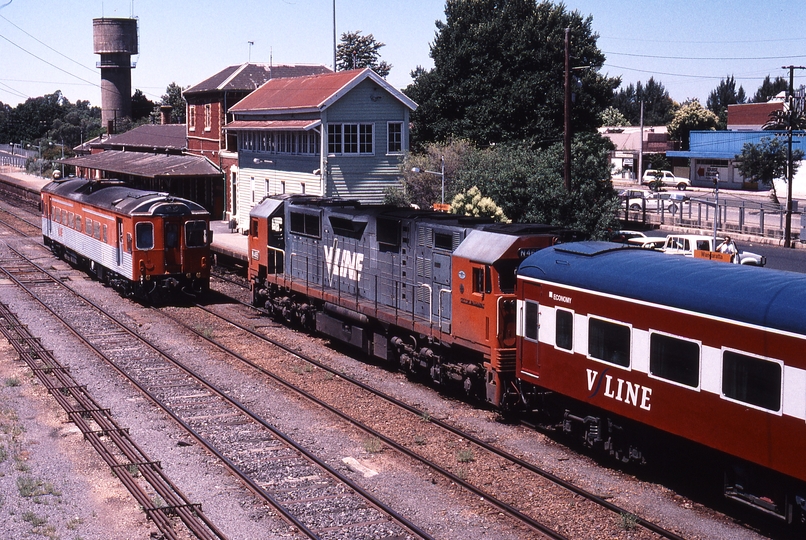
(688, 46)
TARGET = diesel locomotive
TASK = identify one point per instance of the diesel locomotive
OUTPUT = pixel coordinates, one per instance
(431, 292)
(144, 244)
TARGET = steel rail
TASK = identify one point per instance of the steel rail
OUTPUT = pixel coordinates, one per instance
(452, 429)
(405, 523)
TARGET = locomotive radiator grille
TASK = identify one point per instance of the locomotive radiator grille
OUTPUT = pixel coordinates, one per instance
(503, 360)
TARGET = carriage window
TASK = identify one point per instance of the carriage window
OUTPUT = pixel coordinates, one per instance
(674, 359)
(144, 232)
(105, 238)
(307, 224)
(128, 242)
(751, 380)
(195, 232)
(89, 226)
(530, 321)
(609, 342)
(482, 280)
(71, 219)
(96, 229)
(564, 330)
(78, 223)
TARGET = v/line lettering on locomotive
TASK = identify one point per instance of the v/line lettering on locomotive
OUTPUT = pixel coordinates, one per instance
(343, 263)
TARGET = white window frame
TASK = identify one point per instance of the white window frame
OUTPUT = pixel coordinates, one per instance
(398, 140)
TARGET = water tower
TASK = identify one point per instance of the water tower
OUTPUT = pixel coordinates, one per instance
(116, 41)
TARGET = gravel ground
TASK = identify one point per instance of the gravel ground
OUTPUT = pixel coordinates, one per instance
(82, 499)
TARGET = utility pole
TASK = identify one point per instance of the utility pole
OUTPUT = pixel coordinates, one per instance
(567, 99)
(640, 172)
(789, 127)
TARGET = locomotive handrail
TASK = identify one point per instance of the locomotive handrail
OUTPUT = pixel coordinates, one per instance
(440, 306)
(430, 302)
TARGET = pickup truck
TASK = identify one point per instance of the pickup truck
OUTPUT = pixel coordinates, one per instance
(702, 246)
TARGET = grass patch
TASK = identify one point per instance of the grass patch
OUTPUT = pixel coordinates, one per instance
(33, 519)
(465, 456)
(373, 445)
(74, 523)
(419, 440)
(12, 382)
(628, 521)
(28, 486)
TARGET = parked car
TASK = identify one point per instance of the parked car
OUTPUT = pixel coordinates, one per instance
(653, 202)
(667, 178)
(623, 236)
(689, 244)
(648, 242)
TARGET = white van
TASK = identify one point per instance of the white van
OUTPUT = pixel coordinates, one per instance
(666, 177)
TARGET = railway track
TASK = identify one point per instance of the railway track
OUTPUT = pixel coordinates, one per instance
(318, 501)
(478, 464)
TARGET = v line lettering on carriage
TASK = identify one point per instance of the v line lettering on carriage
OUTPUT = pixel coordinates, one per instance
(619, 389)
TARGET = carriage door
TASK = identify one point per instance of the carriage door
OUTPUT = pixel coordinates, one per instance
(120, 244)
(173, 245)
(529, 323)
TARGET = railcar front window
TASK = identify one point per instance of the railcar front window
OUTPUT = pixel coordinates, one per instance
(674, 359)
(195, 232)
(751, 380)
(609, 342)
(144, 232)
(564, 330)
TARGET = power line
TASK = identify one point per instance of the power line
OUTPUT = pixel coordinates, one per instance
(45, 44)
(705, 57)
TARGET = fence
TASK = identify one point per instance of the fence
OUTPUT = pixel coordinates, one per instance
(765, 219)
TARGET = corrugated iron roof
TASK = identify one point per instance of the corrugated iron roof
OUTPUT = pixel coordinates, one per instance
(249, 76)
(313, 93)
(274, 125)
(161, 136)
(146, 165)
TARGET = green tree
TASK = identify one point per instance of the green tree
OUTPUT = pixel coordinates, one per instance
(528, 183)
(723, 95)
(173, 97)
(357, 52)
(611, 116)
(769, 89)
(692, 116)
(498, 75)
(766, 161)
(142, 107)
(659, 108)
(473, 203)
(425, 189)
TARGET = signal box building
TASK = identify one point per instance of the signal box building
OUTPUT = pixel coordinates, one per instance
(339, 135)
(209, 100)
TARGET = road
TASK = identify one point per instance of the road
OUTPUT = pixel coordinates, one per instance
(778, 258)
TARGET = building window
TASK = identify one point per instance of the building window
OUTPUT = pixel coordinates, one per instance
(350, 139)
(751, 380)
(609, 342)
(394, 144)
(280, 142)
(191, 118)
(674, 359)
(208, 117)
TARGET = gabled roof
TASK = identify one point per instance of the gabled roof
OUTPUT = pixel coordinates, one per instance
(148, 136)
(311, 94)
(145, 164)
(247, 77)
